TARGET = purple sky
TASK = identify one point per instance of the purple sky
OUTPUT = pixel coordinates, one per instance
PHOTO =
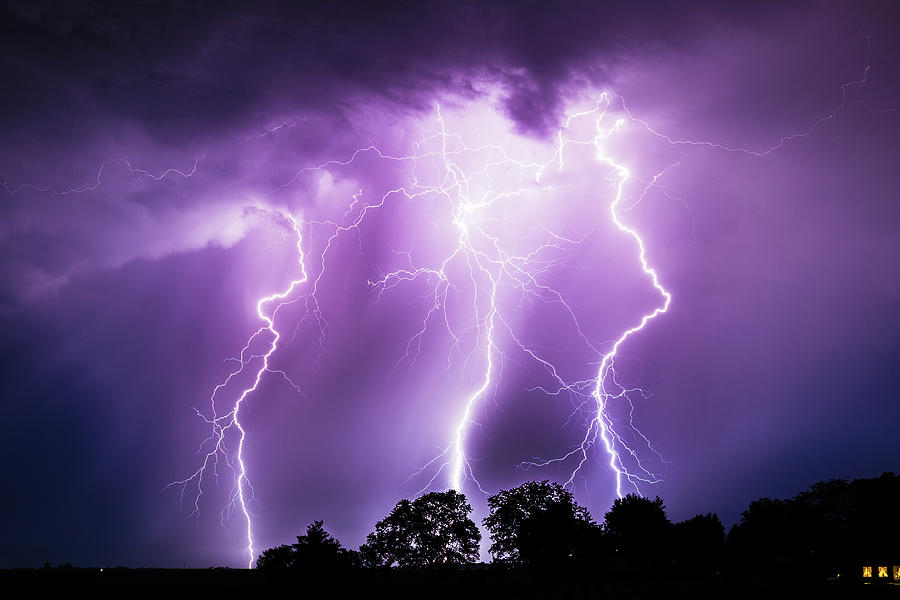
(150, 157)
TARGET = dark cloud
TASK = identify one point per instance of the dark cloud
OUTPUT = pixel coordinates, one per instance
(187, 70)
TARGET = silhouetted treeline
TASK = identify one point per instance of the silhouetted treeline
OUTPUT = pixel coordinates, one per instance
(537, 529)
(832, 527)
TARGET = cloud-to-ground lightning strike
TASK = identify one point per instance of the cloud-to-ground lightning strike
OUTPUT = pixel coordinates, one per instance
(604, 390)
(470, 194)
(267, 310)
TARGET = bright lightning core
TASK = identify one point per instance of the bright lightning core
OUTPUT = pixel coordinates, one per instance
(506, 255)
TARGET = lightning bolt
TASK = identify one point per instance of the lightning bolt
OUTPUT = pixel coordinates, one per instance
(605, 385)
(849, 92)
(98, 179)
(222, 425)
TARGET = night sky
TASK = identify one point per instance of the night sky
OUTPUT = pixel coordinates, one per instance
(153, 159)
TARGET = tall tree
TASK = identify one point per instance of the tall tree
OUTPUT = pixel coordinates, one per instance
(432, 530)
(640, 531)
(536, 523)
(316, 552)
(698, 544)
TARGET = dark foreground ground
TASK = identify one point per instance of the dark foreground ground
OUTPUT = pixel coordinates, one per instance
(236, 583)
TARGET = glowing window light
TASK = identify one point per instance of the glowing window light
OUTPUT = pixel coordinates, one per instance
(882, 572)
(867, 571)
(896, 572)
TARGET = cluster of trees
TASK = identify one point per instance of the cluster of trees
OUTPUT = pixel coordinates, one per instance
(828, 528)
(315, 552)
(539, 528)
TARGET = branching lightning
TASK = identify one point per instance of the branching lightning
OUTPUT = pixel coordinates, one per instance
(98, 179)
(217, 443)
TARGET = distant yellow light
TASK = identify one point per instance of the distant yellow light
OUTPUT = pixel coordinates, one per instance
(882, 572)
(867, 571)
(896, 573)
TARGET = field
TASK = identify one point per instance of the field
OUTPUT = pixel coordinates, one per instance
(234, 583)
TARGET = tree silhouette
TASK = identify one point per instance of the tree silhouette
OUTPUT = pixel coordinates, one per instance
(319, 552)
(698, 544)
(278, 558)
(316, 552)
(639, 530)
(536, 524)
(829, 527)
(432, 530)
(769, 539)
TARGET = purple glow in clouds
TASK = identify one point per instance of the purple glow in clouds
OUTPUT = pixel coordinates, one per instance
(306, 260)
